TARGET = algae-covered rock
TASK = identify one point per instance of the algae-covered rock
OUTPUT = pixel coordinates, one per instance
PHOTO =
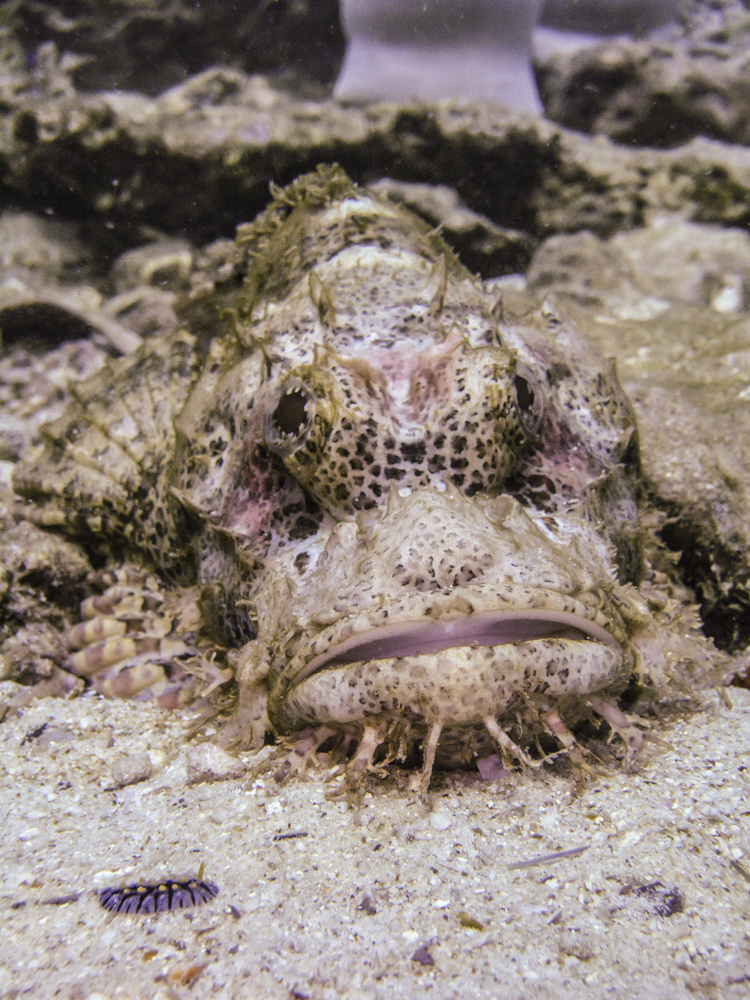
(649, 83)
(194, 160)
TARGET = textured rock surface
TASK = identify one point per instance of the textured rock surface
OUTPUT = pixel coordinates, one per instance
(195, 160)
(153, 45)
(690, 80)
(59, 320)
(670, 302)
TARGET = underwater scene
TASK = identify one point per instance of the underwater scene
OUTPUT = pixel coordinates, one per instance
(375, 499)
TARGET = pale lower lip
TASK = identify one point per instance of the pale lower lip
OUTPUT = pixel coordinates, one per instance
(484, 628)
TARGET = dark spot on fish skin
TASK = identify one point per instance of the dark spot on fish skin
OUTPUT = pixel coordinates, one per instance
(304, 527)
(536, 481)
(558, 371)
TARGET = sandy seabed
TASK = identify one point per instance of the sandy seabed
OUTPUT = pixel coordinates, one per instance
(390, 900)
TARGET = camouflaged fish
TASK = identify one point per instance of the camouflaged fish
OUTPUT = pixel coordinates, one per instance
(412, 506)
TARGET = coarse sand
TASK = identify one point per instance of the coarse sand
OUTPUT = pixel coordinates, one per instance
(393, 899)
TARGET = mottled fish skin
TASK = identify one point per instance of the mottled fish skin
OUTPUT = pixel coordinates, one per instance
(105, 469)
(365, 356)
(413, 504)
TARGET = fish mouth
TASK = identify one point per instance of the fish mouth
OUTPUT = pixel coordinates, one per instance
(482, 628)
(460, 656)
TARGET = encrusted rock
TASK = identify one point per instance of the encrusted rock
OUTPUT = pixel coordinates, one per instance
(153, 45)
(220, 136)
(670, 302)
(40, 563)
(691, 79)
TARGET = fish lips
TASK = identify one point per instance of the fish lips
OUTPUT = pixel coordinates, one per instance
(458, 669)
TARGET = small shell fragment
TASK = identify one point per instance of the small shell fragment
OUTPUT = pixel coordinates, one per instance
(208, 762)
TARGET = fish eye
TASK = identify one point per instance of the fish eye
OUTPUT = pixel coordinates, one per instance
(289, 418)
(529, 400)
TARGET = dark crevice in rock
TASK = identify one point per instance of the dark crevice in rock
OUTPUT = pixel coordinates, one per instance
(716, 573)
